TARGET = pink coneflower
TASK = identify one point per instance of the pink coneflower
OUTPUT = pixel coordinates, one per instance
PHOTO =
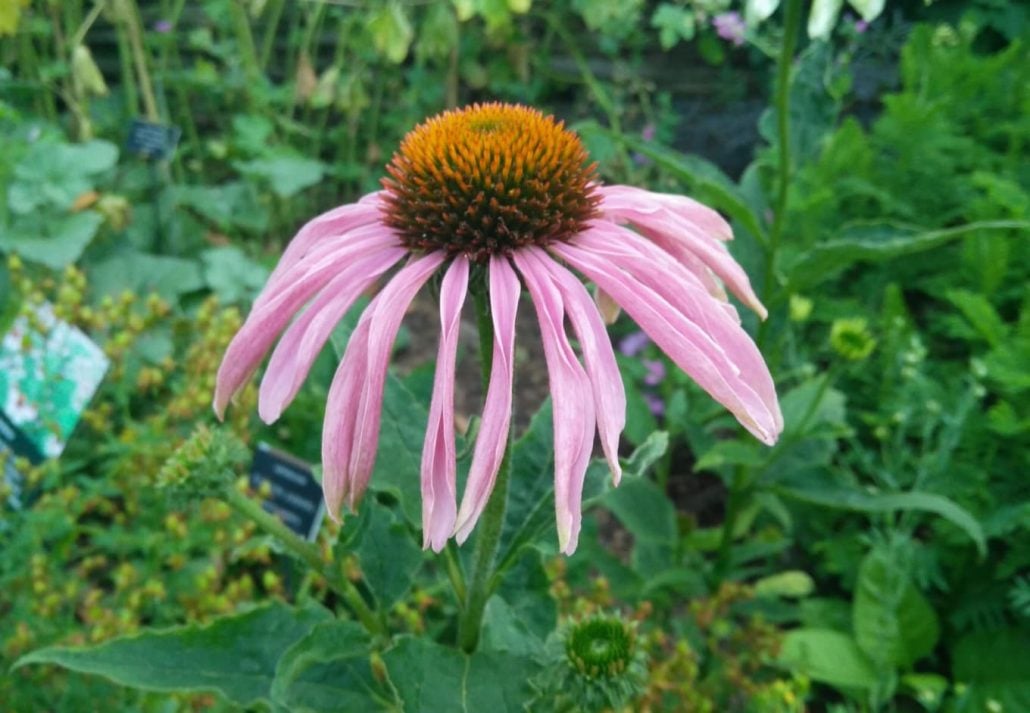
(508, 193)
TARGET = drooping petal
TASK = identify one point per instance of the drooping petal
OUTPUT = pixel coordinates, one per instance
(678, 333)
(653, 267)
(271, 315)
(340, 416)
(694, 241)
(571, 400)
(687, 208)
(335, 222)
(439, 457)
(390, 305)
(598, 357)
(492, 439)
(303, 341)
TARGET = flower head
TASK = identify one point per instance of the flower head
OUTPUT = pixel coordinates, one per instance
(510, 192)
(730, 26)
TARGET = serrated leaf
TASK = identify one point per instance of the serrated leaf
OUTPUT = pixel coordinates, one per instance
(235, 656)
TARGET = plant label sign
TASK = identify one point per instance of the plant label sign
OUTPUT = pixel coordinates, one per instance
(152, 141)
(296, 497)
(49, 371)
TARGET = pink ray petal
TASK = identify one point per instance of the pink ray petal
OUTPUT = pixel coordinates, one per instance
(687, 208)
(335, 222)
(439, 457)
(653, 267)
(598, 356)
(493, 429)
(687, 343)
(341, 415)
(571, 401)
(390, 305)
(688, 240)
(303, 341)
(267, 319)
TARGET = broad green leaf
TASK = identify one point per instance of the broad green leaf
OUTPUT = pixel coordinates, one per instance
(286, 175)
(233, 276)
(431, 678)
(142, 273)
(823, 17)
(522, 613)
(326, 671)
(235, 656)
(995, 666)
(894, 624)
(728, 453)
(877, 242)
(673, 24)
(828, 656)
(399, 460)
(651, 518)
(388, 553)
(709, 183)
(860, 501)
(226, 205)
(55, 243)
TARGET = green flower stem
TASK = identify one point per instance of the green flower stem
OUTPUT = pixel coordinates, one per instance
(309, 554)
(488, 532)
(245, 40)
(735, 500)
(791, 26)
(134, 26)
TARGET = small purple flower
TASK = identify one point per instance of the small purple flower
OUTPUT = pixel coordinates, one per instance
(648, 132)
(861, 26)
(655, 371)
(655, 404)
(163, 27)
(730, 27)
(634, 343)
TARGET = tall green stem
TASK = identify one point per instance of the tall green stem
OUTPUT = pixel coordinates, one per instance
(309, 554)
(791, 26)
(736, 498)
(488, 533)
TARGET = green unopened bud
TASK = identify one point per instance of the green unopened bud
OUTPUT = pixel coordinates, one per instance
(794, 584)
(86, 74)
(852, 339)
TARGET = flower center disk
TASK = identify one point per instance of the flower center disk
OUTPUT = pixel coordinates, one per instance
(488, 179)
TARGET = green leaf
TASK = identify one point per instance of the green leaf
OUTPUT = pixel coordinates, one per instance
(387, 551)
(326, 671)
(235, 656)
(649, 515)
(673, 23)
(727, 453)
(521, 615)
(399, 460)
(432, 678)
(391, 31)
(828, 656)
(979, 312)
(894, 624)
(859, 501)
(55, 243)
(286, 175)
(995, 667)
(709, 183)
(646, 454)
(878, 242)
(142, 273)
(233, 276)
